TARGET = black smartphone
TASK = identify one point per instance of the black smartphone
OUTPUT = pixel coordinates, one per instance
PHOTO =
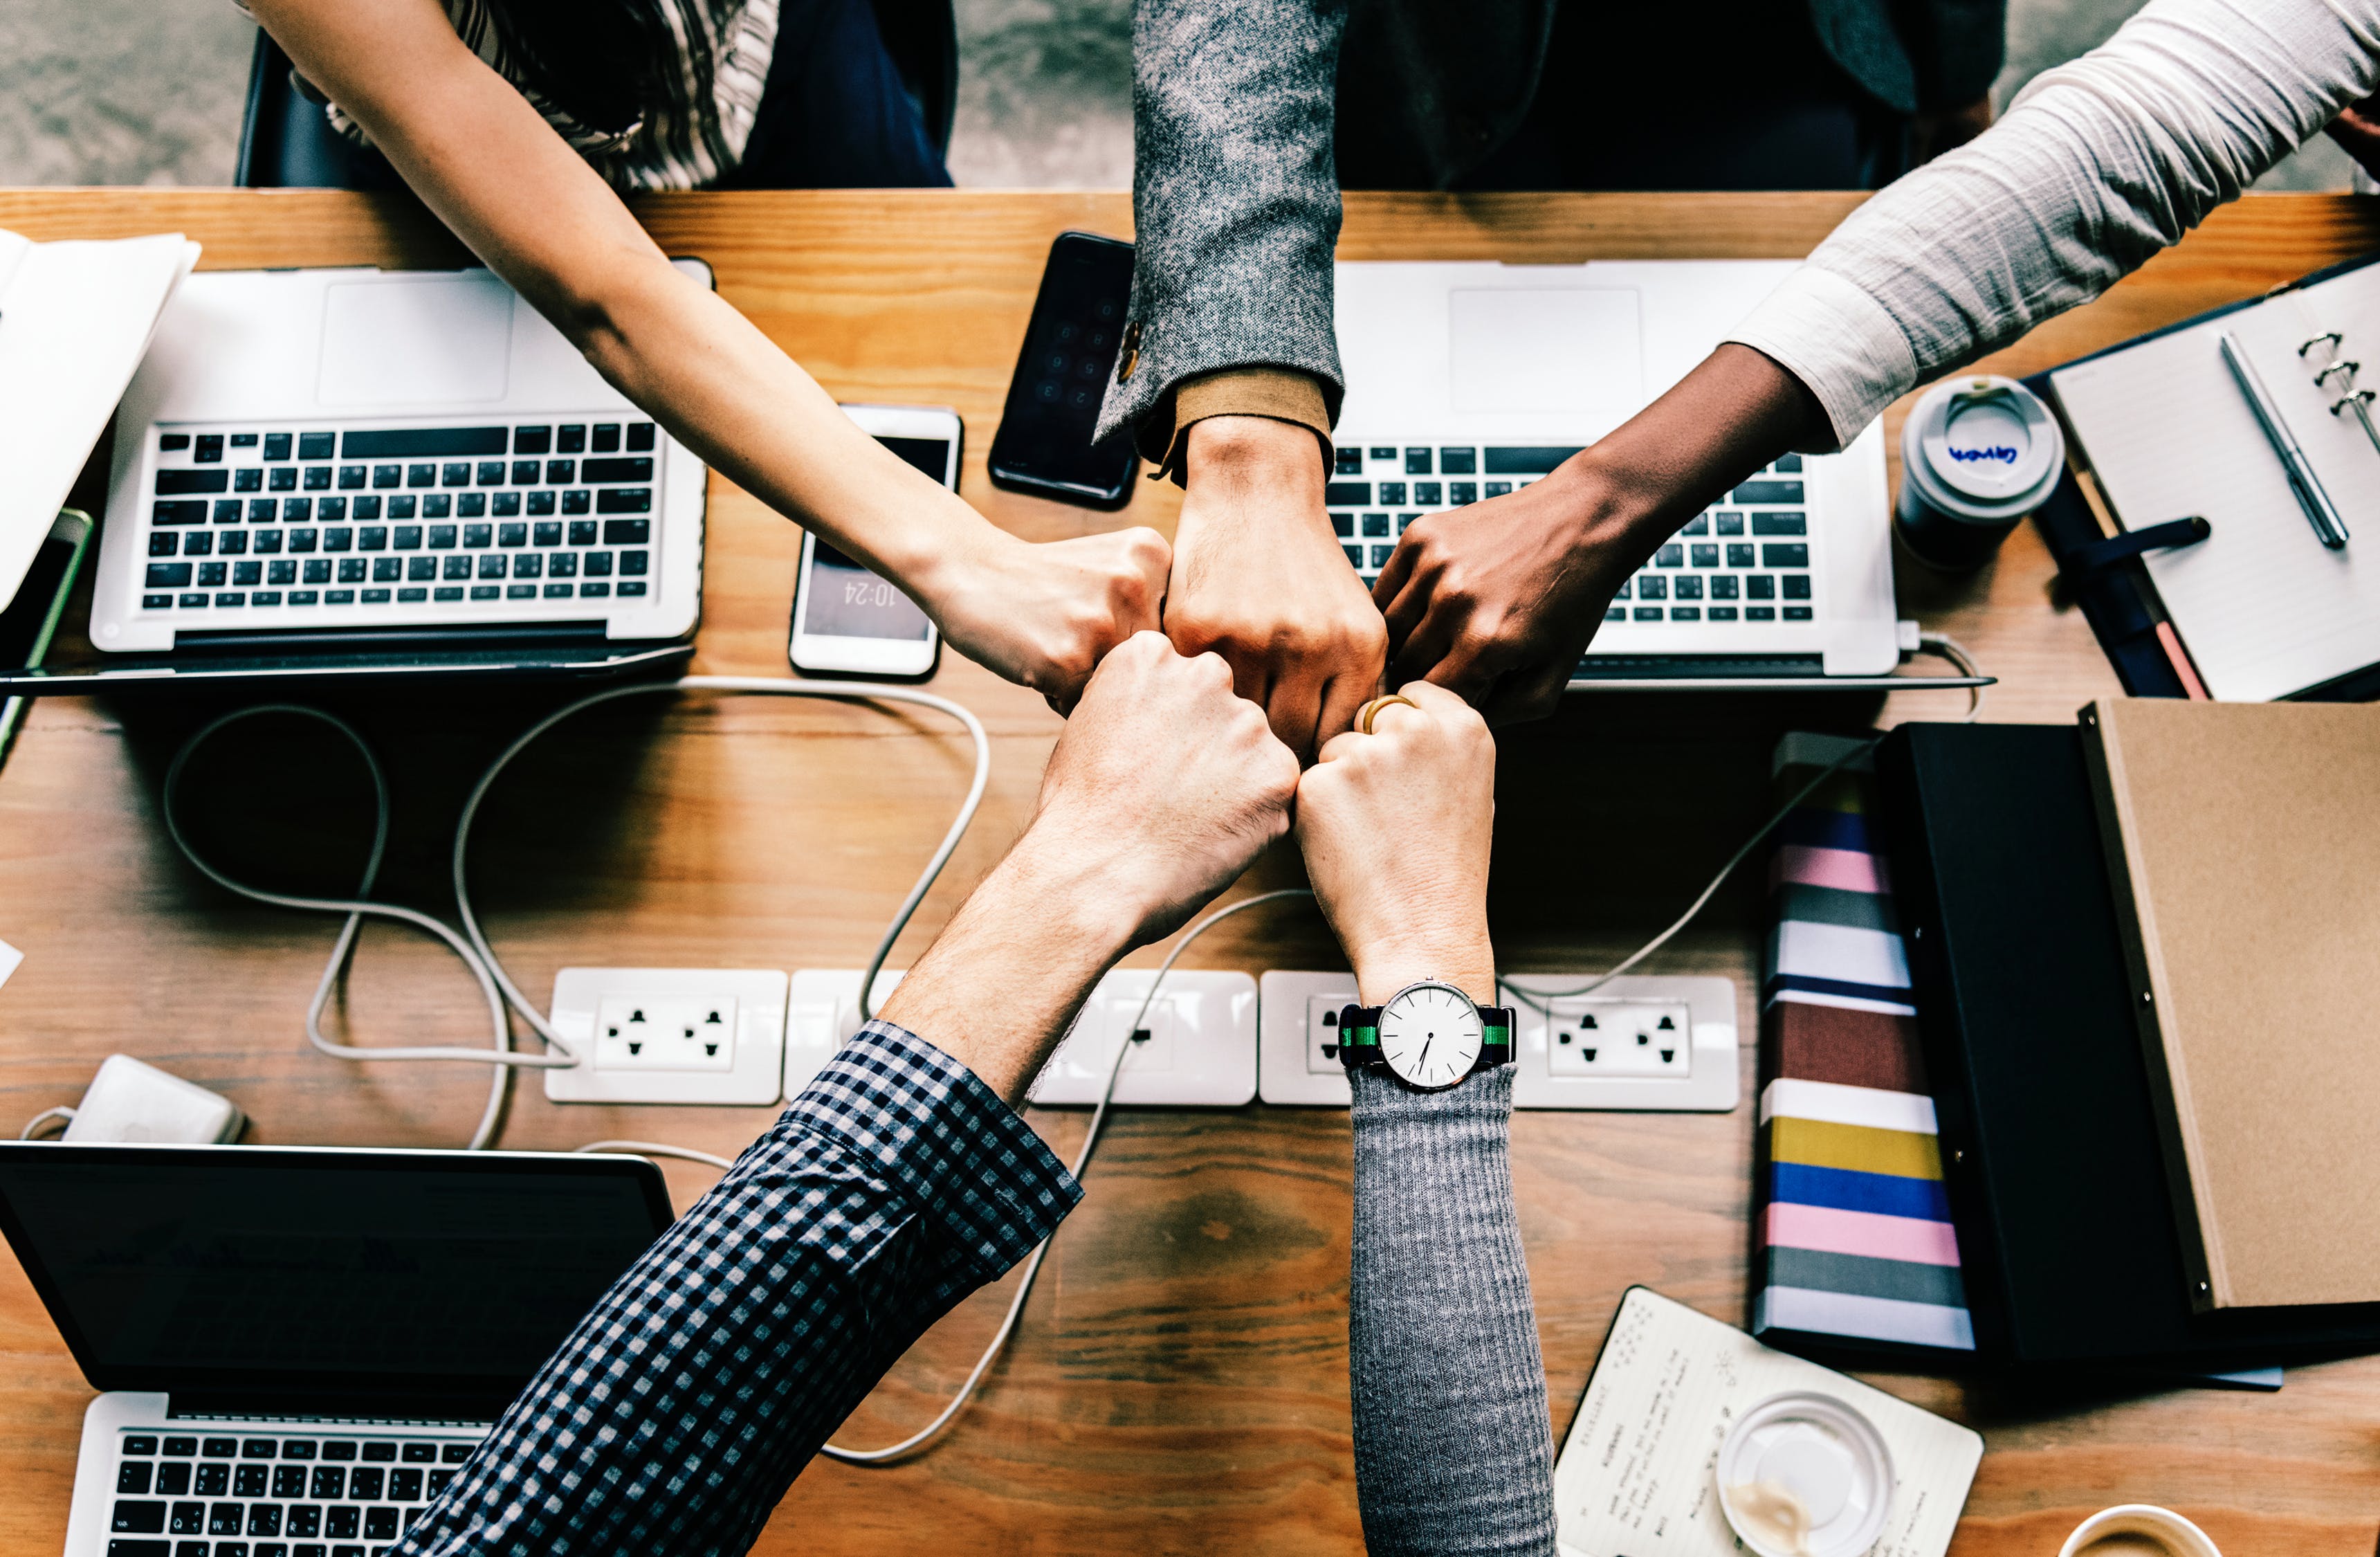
(1044, 444)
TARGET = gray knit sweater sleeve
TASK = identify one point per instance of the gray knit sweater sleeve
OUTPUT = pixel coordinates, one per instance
(1453, 1445)
(1235, 195)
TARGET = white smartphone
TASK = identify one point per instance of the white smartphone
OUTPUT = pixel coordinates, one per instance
(846, 620)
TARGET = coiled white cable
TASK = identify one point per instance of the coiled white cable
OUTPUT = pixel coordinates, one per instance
(355, 908)
(472, 947)
(771, 686)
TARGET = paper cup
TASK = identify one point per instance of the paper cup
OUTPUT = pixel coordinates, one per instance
(1820, 1453)
(1978, 453)
(2176, 1536)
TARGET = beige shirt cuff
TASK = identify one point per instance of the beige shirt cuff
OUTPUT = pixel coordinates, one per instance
(1282, 394)
(1839, 341)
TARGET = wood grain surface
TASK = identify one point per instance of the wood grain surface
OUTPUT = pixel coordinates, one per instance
(1178, 1382)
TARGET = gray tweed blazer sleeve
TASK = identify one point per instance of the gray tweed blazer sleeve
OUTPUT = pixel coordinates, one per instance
(1235, 195)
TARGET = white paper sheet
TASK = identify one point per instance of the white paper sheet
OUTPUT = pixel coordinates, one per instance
(74, 321)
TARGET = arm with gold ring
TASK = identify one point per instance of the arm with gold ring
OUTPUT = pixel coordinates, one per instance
(1395, 823)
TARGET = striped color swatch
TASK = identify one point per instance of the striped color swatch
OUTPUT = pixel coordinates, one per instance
(1853, 1235)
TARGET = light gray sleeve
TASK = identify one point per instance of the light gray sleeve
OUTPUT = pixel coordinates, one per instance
(2098, 166)
(1454, 1447)
(1235, 195)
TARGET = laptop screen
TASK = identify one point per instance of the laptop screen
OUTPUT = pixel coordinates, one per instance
(259, 1271)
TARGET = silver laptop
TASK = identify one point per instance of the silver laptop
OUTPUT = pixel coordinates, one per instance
(328, 462)
(298, 1345)
(1466, 381)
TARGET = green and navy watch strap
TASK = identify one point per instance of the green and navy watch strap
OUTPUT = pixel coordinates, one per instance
(1359, 1036)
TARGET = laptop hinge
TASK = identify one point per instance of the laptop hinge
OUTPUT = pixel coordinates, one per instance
(353, 640)
(337, 1406)
(1690, 667)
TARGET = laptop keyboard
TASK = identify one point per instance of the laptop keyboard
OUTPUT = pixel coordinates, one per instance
(1746, 559)
(334, 1495)
(248, 525)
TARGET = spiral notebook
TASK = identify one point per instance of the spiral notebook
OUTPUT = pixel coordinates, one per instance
(2262, 607)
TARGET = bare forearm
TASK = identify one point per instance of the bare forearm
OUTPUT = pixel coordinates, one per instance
(731, 394)
(1730, 417)
(489, 165)
(1004, 982)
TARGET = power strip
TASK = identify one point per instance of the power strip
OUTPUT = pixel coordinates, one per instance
(1200, 1053)
(1639, 1042)
(669, 1034)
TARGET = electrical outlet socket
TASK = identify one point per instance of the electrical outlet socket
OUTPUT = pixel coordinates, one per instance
(1593, 1036)
(1695, 1069)
(653, 1032)
(821, 1013)
(669, 1034)
(1298, 1048)
(1655, 1042)
(1201, 1051)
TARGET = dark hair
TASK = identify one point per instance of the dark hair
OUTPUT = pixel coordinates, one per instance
(601, 61)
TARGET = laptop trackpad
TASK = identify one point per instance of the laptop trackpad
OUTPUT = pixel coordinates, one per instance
(1520, 349)
(404, 340)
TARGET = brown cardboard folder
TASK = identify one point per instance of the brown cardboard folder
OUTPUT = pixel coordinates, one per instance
(2243, 841)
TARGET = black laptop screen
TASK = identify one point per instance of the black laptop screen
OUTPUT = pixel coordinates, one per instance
(252, 1270)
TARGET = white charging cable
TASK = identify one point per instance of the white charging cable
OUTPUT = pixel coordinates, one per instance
(33, 1129)
(1952, 650)
(356, 908)
(656, 1148)
(932, 1429)
(1540, 1000)
(472, 947)
(772, 687)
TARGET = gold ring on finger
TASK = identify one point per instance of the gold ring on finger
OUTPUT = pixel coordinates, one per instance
(1369, 711)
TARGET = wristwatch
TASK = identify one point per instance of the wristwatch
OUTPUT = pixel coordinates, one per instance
(1429, 1036)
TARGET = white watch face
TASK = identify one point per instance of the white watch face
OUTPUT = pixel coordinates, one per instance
(1430, 1035)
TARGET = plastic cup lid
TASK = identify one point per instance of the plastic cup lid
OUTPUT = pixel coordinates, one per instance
(1985, 442)
(1807, 1463)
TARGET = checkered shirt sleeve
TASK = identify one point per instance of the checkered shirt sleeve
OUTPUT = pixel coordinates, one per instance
(678, 1412)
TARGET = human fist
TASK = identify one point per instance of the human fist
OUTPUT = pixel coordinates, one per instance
(1045, 614)
(1396, 826)
(1258, 579)
(1497, 600)
(1163, 788)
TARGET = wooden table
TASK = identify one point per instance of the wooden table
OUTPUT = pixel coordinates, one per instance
(1179, 1383)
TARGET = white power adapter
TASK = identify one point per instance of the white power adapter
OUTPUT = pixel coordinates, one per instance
(132, 1102)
